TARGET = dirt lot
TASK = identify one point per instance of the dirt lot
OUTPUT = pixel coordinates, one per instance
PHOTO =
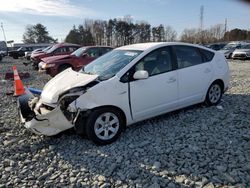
(196, 147)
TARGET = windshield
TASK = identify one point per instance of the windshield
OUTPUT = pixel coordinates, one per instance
(78, 52)
(47, 48)
(109, 64)
(52, 49)
(247, 46)
(228, 47)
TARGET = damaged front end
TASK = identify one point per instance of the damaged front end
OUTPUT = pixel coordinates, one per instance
(49, 119)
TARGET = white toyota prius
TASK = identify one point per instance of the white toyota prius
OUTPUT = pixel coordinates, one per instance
(127, 85)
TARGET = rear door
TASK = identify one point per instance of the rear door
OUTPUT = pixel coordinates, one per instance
(194, 74)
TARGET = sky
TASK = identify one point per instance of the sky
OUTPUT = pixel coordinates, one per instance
(59, 16)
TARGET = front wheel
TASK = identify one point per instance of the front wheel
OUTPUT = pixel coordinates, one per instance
(214, 94)
(104, 125)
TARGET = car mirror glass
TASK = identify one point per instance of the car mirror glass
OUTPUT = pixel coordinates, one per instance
(141, 74)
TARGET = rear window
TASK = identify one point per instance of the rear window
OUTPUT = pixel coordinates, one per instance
(207, 55)
(187, 56)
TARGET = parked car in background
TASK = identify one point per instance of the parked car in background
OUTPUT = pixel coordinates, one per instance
(3, 53)
(124, 86)
(242, 53)
(20, 52)
(34, 53)
(28, 54)
(57, 49)
(229, 49)
(216, 46)
(76, 60)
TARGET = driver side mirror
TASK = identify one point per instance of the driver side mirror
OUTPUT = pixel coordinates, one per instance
(84, 54)
(140, 74)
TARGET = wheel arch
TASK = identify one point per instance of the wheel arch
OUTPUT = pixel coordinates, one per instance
(220, 82)
(65, 64)
(116, 108)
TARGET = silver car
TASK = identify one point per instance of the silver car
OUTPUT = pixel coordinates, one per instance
(242, 53)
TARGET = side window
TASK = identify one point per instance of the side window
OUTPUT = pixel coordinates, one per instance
(207, 55)
(187, 56)
(105, 50)
(93, 52)
(71, 49)
(60, 50)
(156, 62)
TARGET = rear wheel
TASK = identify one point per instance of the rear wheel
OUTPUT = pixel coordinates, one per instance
(214, 94)
(104, 126)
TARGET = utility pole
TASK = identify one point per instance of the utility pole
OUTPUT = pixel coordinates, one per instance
(225, 30)
(225, 25)
(3, 33)
(201, 22)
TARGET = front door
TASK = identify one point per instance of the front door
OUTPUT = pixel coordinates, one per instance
(158, 93)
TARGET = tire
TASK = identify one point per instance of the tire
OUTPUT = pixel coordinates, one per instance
(214, 94)
(63, 67)
(104, 126)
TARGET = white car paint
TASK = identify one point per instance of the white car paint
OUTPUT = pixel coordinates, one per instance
(64, 81)
(241, 54)
(141, 99)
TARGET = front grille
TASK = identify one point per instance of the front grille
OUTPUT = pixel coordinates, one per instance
(239, 55)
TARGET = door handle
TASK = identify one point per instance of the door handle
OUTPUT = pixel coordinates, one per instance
(171, 80)
(207, 70)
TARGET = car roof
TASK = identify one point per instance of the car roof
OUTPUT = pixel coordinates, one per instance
(151, 45)
(97, 47)
(66, 44)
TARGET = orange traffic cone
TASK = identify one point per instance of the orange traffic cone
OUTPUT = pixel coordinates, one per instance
(18, 85)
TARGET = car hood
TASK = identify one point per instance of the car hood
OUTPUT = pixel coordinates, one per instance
(39, 55)
(55, 58)
(64, 81)
(225, 51)
(242, 50)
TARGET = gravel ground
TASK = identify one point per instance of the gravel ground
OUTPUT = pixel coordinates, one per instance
(195, 147)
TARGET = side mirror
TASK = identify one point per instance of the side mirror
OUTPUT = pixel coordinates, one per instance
(141, 74)
(84, 54)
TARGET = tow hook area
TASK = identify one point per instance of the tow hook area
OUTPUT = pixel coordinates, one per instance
(25, 112)
(80, 121)
(76, 116)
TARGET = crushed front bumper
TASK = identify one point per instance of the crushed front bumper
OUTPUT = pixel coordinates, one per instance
(50, 123)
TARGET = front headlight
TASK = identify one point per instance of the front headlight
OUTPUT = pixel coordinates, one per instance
(47, 65)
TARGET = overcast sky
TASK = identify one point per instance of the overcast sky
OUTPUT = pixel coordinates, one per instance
(60, 15)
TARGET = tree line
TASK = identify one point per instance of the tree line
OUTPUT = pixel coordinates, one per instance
(115, 32)
(214, 34)
(119, 32)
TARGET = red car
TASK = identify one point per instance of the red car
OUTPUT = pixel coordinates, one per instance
(57, 49)
(76, 60)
